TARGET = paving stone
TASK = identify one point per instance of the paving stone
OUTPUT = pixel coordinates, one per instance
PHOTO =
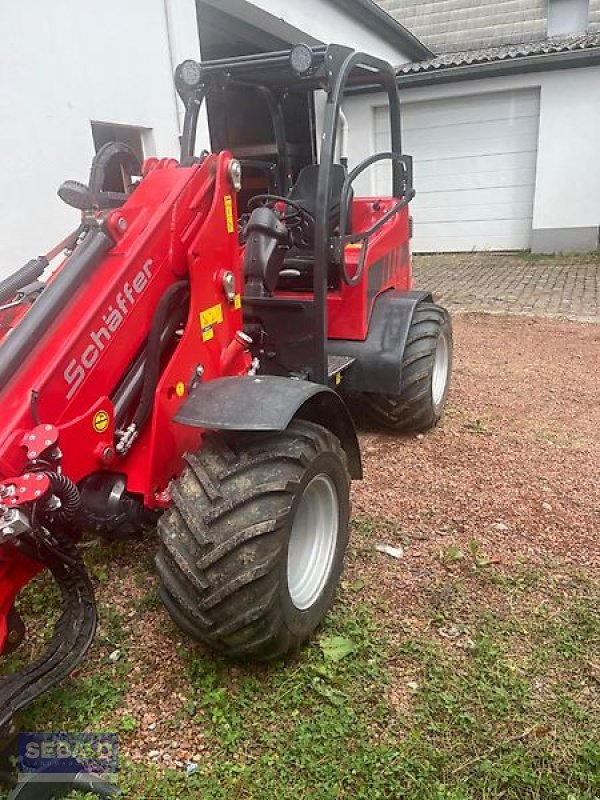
(566, 287)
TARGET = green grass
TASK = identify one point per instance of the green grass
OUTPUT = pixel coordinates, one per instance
(84, 702)
(584, 258)
(527, 255)
(507, 707)
(479, 729)
(283, 730)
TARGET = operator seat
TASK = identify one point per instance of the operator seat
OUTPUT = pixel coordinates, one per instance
(269, 261)
(301, 259)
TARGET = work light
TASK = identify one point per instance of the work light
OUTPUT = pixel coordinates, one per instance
(190, 74)
(301, 59)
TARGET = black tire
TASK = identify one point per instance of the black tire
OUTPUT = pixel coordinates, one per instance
(416, 408)
(223, 559)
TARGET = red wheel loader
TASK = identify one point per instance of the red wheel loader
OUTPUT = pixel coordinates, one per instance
(188, 363)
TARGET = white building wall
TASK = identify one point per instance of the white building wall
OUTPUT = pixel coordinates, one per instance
(311, 22)
(567, 199)
(63, 64)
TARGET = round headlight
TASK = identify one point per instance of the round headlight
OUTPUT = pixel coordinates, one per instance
(301, 58)
(190, 74)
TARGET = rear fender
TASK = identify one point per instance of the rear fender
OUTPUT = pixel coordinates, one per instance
(270, 403)
(378, 359)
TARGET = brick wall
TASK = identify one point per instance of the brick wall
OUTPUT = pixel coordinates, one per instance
(451, 25)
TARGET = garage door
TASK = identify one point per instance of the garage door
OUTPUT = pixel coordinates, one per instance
(475, 161)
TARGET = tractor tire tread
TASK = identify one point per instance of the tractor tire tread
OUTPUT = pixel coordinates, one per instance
(412, 411)
(221, 542)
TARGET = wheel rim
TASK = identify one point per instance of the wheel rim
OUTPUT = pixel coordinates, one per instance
(439, 377)
(312, 543)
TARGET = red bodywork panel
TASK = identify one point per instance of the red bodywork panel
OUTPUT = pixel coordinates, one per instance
(387, 266)
(177, 220)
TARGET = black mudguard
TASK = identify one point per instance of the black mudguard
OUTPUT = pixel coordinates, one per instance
(270, 403)
(378, 360)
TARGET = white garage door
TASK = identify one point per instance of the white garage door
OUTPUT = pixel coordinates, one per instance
(475, 163)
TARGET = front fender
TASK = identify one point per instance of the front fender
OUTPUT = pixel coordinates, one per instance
(270, 403)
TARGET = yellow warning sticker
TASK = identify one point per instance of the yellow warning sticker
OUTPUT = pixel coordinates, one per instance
(101, 421)
(211, 316)
(338, 378)
(229, 214)
(237, 302)
(208, 319)
(180, 389)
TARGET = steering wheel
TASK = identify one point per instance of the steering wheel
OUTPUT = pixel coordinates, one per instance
(299, 221)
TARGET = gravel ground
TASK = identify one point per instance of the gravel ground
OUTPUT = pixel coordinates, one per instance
(510, 475)
(514, 467)
(516, 461)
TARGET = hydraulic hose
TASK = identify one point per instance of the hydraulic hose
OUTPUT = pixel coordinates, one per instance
(153, 351)
(28, 273)
(68, 494)
(32, 270)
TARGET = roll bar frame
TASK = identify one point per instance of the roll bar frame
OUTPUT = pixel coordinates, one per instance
(335, 68)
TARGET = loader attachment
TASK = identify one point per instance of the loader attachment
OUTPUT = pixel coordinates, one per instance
(73, 633)
(71, 639)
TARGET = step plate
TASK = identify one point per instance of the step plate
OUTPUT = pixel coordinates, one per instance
(337, 364)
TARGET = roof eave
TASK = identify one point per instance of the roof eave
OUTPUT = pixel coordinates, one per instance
(543, 62)
(382, 23)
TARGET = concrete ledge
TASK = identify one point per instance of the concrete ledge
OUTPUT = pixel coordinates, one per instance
(565, 240)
